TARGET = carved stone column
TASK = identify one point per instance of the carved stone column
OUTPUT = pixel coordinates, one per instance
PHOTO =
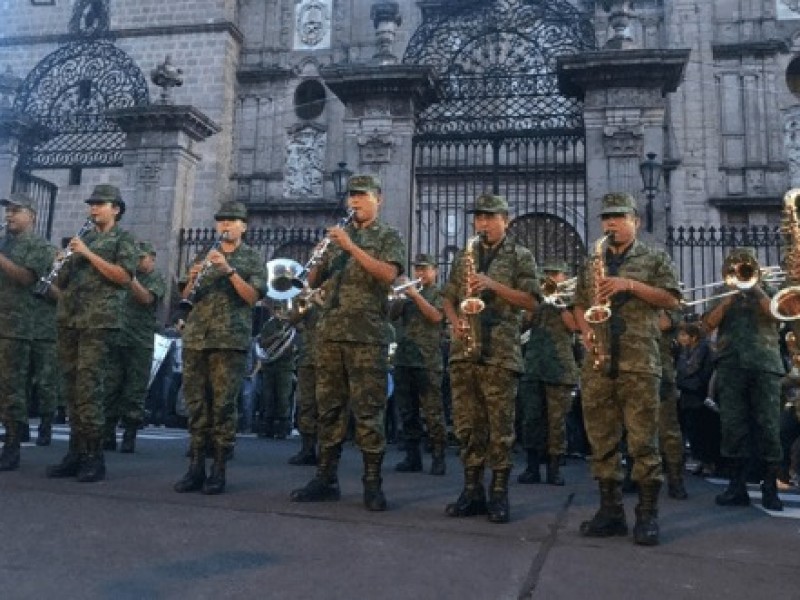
(386, 18)
(624, 94)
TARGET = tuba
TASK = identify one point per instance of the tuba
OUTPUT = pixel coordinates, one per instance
(599, 313)
(785, 305)
(471, 306)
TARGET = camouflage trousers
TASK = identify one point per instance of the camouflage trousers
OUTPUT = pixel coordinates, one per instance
(129, 373)
(351, 377)
(749, 397)
(276, 394)
(306, 400)
(415, 390)
(483, 413)
(83, 356)
(14, 373)
(542, 412)
(631, 403)
(211, 383)
(45, 378)
(670, 438)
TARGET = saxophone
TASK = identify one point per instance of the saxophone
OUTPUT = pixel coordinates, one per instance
(785, 305)
(471, 306)
(599, 313)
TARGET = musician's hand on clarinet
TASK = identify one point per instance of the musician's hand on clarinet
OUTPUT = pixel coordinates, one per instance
(78, 246)
(218, 260)
(340, 237)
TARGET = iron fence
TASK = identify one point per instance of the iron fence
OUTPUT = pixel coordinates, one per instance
(44, 195)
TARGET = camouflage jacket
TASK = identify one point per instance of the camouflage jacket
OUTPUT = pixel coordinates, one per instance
(549, 355)
(17, 304)
(44, 311)
(355, 303)
(418, 340)
(89, 300)
(499, 324)
(306, 333)
(221, 319)
(140, 319)
(634, 322)
(668, 346)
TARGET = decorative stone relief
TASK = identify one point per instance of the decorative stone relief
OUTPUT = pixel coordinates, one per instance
(787, 9)
(305, 154)
(149, 172)
(622, 137)
(312, 24)
(791, 141)
(375, 147)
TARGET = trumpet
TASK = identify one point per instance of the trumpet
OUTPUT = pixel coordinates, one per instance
(558, 293)
(398, 291)
(42, 287)
(187, 303)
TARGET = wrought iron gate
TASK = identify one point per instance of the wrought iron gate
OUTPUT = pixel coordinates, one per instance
(44, 195)
(502, 125)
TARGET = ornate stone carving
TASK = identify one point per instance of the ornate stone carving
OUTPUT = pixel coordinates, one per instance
(149, 172)
(386, 18)
(305, 161)
(375, 147)
(312, 24)
(788, 9)
(791, 140)
(166, 76)
(623, 138)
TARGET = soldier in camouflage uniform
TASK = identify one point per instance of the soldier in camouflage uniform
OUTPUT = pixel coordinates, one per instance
(93, 282)
(670, 438)
(486, 355)
(223, 287)
(749, 370)
(277, 375)
(133, 357)
(417, 317)
(621, 374)
(545, 390)
(351, 353)
(24, 256)
(307, 414)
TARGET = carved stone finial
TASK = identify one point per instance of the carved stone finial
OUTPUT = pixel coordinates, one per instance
(166, 76)
(386, 18)
(9, 84)
(619, 17)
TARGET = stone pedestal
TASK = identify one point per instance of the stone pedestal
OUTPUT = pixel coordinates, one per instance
(624, 94)
(381, 105)
(159, 164)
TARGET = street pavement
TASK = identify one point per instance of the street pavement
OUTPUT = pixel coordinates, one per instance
(132, 537)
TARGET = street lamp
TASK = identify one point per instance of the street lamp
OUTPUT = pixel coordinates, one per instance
(651, 171)
(340, 178)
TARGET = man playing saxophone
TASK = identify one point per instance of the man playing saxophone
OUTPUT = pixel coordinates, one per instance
(622, 392)
(486, 359)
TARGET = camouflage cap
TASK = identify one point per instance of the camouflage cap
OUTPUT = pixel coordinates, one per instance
(19, 200)
(105, 193)
(364, 183)
(555, 266)
(488, 203)
(618, 203)
(230, 211)
(424, 260)
(146, 248)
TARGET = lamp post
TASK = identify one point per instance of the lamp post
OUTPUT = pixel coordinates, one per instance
(650, 171)
(340, 177)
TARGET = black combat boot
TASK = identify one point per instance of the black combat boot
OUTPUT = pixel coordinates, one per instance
(675, 486)
(324, 487)
(307, 454)
(438, 465)
(195, 476)
(45, 433)
(69, 465)
(110, 435)
(374, 498)
(553, 471)
(93, 465)
(9, 457)
(215, 482)
(472, 500)
(497, 506)
(736, 492)
(645, 530)
(609, 520)
(128, 445)
(412, 463)
(531, 473)
(769, 488)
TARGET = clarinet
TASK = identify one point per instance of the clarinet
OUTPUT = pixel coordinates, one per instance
(42, 287)
(187, 303)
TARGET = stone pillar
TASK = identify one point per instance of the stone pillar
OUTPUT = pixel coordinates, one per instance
(624, 94)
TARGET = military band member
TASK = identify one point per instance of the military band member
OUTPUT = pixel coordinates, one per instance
(670, 438)
(485, 356)
(351, 358)
(277, 384)
(307, 412)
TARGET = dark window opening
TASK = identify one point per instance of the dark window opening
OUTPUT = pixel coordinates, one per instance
(309, 99)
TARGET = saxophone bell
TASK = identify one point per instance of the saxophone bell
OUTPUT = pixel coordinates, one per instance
(785, 305)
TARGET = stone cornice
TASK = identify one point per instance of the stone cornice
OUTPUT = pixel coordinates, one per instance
(165, 117)
(746, 201)
(603, 69)
(759, 48)
(26, 129)
(259, 74)
(355, 82)
(132, 32)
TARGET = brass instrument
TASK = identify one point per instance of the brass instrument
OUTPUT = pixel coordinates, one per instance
(785, 305)
(471, 306)
(560, 293)
(740, 276)
(599, 313)
(42, 287)
(188, 303)
(398, 291)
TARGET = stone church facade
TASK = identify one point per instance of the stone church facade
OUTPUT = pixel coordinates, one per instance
(550, 103)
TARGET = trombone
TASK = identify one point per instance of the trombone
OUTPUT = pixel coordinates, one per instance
(558, 293)
(740, 277)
